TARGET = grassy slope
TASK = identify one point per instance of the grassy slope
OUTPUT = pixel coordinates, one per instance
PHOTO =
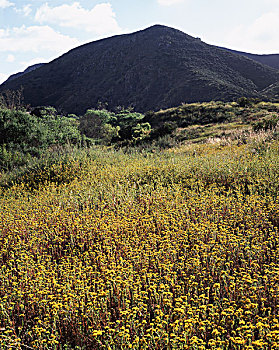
(200, 122)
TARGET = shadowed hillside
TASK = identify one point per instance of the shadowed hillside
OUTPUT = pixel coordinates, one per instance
(269, 60)
(27, 70)
(155, 68)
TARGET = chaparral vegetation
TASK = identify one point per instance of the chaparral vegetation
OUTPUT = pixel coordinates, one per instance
(164, 243)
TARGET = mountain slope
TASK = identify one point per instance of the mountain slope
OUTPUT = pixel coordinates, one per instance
(27, 70)
(154, 68)
(269, 60)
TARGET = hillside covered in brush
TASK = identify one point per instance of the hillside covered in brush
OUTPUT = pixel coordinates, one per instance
(27, 70)
(271, 60)
(155, 68)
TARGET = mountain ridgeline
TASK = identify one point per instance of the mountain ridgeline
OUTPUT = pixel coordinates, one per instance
(27, 70)
(151, 69)
(271, 60)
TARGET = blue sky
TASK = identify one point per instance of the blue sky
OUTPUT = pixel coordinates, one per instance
(33, 31)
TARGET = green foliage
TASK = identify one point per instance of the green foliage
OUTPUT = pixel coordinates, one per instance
(194, 113)
(17, 127)
(57, 165)
(23, 134)
(164, 129)
(109, 127)
(93, 122)
(110, 133)
(266, 123)
(12, 99)
(197, 121)
(50, 170)
(141, 131)
(246, 102)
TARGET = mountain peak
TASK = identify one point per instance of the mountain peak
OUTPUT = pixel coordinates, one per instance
(160, 29)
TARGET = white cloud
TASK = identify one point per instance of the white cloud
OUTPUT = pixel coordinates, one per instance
(170, 2)
(5, 3)
(27, 10)
(100, 19)
(35, 39)
(36, 60)
(273, 2)
(10, 58)
(3, 77)
(261, 36)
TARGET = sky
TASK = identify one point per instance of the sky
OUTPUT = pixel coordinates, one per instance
(35, 31)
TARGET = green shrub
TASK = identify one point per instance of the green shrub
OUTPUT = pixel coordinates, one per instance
(109, 127)
(266, 124)
(23, 134)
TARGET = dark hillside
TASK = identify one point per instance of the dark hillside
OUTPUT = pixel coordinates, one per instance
(271, 60)
(27, 70)
(155, 68)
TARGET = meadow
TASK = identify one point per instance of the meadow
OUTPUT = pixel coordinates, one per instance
(170, 249)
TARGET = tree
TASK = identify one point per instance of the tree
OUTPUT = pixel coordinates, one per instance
(22, 132)
(244, 102)
(93, 122)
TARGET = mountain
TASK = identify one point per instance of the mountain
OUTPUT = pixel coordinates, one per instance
(155, 68)
(27, 70)
(272, 91)
(269, 60)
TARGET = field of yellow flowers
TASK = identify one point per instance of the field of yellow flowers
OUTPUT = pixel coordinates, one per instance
(170, 250)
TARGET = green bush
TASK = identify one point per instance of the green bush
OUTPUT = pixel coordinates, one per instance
(23, 134)
(92, 124)
(266, 124)
(109, 127)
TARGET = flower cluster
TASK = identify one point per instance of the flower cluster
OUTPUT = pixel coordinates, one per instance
(145, 252)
